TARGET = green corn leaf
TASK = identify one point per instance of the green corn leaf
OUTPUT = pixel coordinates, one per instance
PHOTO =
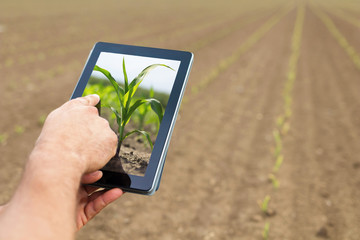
(125, 77)
(146, 134)
(136, 82)
(157, 108)
(137, 104)
(118, 117)
(119, 91)
(151, 93)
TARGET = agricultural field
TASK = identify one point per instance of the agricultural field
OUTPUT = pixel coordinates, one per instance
(267, 142)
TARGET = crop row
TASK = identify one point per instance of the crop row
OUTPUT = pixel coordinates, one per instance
(339, 37)
(227, 30)
(344, 16)
(283, 120)
(221, 29)
(244, 47)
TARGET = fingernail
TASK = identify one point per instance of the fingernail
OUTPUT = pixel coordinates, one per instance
(95, 95)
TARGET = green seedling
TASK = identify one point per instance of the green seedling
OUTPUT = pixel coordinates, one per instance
(143, 110)
(288, 103)
(280, 121)
(3, 138)
(19, 129)
(264, 205)
(127, 107)
(274, 181)
(278, 163)
(42, 119)
(288, 113)
(285, 128)
(265, 233)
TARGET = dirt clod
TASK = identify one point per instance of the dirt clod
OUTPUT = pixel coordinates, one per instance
(322, 233)
(356, 165)
(270, 213)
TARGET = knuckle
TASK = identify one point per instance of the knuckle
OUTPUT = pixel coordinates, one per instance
(79, 101)
(113, 138)
(93, 110)
(53, 114)
(104, 123)
(75, 101)
(72, 103)
(113, 141)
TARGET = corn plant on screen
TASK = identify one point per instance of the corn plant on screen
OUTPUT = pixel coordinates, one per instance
(134, 93)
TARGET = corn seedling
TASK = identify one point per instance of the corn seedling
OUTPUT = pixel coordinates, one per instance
(126, 108)
(3, 138)
(285, 128)
(274, 181)
(288, 99)
(19, 129)
(265, 233)
(280, 121)
(264, 205)
(278, 163)
(143, 110)
(42, 119)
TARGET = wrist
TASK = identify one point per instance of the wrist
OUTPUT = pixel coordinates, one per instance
(49, 157)
(47, 183)
(46, 169)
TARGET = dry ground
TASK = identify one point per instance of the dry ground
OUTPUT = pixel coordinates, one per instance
(223, 146)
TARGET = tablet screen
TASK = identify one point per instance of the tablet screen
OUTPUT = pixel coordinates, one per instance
(134, 93)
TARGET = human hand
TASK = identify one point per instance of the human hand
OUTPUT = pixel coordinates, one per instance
(75, 129)
(74, 141)
(91, 200)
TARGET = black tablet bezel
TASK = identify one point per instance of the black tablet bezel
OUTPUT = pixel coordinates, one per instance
(133, 183)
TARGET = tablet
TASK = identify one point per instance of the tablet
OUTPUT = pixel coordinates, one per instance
(140, 90)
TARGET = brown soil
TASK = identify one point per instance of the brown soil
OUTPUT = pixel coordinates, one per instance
(133, 158)
(221, 152)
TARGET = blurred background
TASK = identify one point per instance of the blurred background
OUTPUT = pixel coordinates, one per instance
(267, 142)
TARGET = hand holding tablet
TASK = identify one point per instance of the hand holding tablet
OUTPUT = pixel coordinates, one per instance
(140, 90)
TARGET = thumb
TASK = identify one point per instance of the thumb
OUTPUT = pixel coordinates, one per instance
(89, 100)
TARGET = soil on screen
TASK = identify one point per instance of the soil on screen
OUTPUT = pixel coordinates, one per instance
(133, 158)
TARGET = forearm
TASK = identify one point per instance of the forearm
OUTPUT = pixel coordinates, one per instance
(31, 212)
(74, 140)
